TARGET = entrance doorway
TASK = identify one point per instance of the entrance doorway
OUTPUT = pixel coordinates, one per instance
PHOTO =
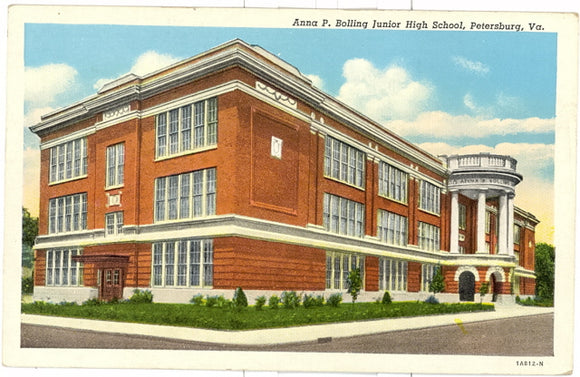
(111, 284)
(110, 270)
(466, 286)
(496, 286)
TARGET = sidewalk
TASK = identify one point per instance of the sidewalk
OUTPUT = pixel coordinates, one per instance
(285, 335)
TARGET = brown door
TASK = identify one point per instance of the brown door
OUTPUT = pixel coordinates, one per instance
(111, 284)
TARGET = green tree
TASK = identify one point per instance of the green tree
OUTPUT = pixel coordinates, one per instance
(437, 284)
(29, 233)
(354, 283)
(544, 267)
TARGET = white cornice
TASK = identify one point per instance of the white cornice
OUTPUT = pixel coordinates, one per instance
(70, 137)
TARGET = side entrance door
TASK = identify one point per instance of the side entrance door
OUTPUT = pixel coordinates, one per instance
(466, 286)
(111, 284)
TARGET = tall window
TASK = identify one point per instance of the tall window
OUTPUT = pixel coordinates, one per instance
(114, 223)
(392, 275)
(183, 263)
(392, 182)
(429, 197)
(429, 237)
(68, 160)
(61, 270)
(343, 216)
(462, 217)
(339, 265)
(187, 128)
(343, 162)
(517, 233)
(115, 165)
(392, 228)
(427, 273)
(67, 213)
(487, 222)
(185, 196)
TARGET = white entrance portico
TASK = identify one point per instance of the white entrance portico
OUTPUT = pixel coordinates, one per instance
(481, 177)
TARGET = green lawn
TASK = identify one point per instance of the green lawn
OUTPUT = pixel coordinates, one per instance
(190, 315)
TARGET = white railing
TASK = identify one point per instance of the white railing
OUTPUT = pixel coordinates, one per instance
(481, 160)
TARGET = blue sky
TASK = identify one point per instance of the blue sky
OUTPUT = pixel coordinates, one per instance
(449, 92)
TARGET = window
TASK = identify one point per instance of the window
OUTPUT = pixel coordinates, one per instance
(343, 162)
(429, 237)
(175, 127)
(429, 197)
(67, 213)
(115, 165)
(517, 234)
(392, 228)
(462, 217)
(339, 265)
(392, 182)
(487, 222)
(392, 275)
(61, 270)
(114, 223)
(343, 216)
(185, 196)
(427, 273)
(68, 160)
(183, 263)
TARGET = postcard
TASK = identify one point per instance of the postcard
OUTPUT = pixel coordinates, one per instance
(292, 190)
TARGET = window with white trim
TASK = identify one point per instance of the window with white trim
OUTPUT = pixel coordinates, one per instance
(343, 216)
(429, 197)
(392, 182)
(339, 265)
(187, 128)
(487, 222)
(427, 273)
(114, 223)
(462, 216)
(183, 263)
(517, 234)
(392, 275)
(429, 237)
(68, 160)
(392, 228)
(67, 213)
(185, 196)
(61, 269)
(115, 165)
(343, 162)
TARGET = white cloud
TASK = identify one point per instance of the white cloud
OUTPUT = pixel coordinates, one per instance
(535, 193)
(442, 124)
(43, 84)
(385, 94)
(316, 81)
(32, 117)
(470, 65)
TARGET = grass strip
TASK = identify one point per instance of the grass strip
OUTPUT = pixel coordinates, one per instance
(197, 316)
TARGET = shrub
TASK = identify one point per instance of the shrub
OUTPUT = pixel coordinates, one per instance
(310, 301)
(141, 297)
(273, 302)
(27, 285)
(240, 300)
(518, 299)
(211, 301)
(386, 298)
(197, 300)
(260, 302)
(290, 300)
(431, 300)
(92, 302)
(334, 299)
(354, 283)
(437, 284)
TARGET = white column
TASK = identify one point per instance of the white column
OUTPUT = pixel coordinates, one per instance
(503, 224)
(481, 223)
(510, 224)
(454, 236)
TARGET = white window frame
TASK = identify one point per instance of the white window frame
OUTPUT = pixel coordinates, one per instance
(67, 214)
(393, 275)
(185, 196)
(339, 265)
(392, 228)
(114, 223)
(343, 216)
(115, 168)
(61, 270)
(344, 163)
(182, 263)
(186, 129)
(517, 234)
(393, 183)
(429, 237)
(462, 216)
(68, 161)
(430, 197)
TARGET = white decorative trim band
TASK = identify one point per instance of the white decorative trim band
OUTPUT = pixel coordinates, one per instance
(276, 95)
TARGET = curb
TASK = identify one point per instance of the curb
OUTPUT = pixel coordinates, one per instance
(310, 333)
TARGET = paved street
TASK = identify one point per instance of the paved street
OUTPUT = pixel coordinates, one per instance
(530, 336)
